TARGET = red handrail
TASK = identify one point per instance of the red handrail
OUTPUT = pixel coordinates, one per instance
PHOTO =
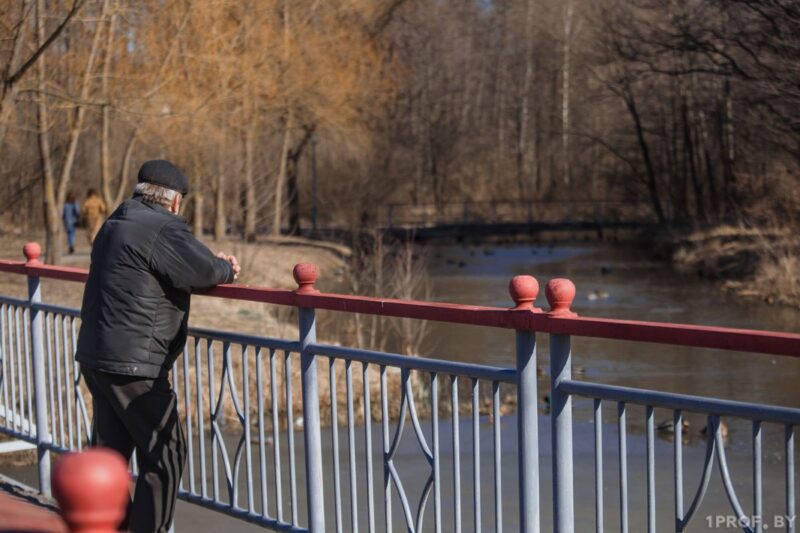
(559, 319)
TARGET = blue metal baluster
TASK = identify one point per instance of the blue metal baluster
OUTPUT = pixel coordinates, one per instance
(75, 386)
(262, 453)
(757, 492)
(27, 358)
(351, 444)
(387, 474)
(456, 455)
(187, 407)
(527, 431)
(437, 496)
(20, 378)
(598, 465)
(677, 425)
(69, 380)
(276, 446)
(287, 375)
(248, 447)
(60, 393)
(177, 403)
(368, 450)
(498, 481)
(3, 358)
(791, 516)
(337, 484)
(42, 431)
(623, 469)
(48, 346)
(651, 471)
(201, 430)
(311, 423)
(212, 407)
(12, 376)
(561, 421)
(476, 456)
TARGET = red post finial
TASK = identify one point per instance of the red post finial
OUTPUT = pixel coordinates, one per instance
(560, 294)
(32, 252)
(305, 274)
(523, 290)
(92, 489)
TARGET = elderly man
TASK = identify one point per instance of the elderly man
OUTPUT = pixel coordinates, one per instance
(145, 265)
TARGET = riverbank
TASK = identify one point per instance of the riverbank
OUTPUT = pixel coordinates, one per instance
(753, 263)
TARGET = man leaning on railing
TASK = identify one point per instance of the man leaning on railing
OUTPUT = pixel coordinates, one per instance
(135, 312)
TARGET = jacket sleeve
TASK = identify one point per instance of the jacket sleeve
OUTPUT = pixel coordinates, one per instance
(185, 263)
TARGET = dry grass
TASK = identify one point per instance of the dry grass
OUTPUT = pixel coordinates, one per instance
(753, 262)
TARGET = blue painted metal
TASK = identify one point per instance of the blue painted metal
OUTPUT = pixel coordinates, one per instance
(527, 432)
(39, 386)
(758, 507)
(677, 424)
(623, 467)
(311, 425)
(598, 465)
(751, 411)
(651, 470)
(497, 448)
(456, 454)
(476, 456)
(561, 419)
(791, 514)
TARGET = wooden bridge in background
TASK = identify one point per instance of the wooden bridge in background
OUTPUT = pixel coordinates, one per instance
(514, 217)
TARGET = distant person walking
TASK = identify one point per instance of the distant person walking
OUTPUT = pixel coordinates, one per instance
(135, 315)
(71, 216)
(94, 213)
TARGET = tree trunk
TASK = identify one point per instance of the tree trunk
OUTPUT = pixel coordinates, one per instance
(648, 163)
(281, 178)
(219, 205)
(197, 218)
(565, 74)
(293, 196)
(249, 179)
(691, 160)
(524, 114)
(52, 226)
(728, 149)
(55, 193)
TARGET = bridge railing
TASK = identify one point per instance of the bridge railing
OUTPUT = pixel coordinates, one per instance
(245, 399)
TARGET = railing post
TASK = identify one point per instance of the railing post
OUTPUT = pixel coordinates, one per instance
(92, 489)
(32, 253)
(560, 294)
(523, 290)
(305, 274)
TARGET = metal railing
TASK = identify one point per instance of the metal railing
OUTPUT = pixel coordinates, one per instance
(237, 394)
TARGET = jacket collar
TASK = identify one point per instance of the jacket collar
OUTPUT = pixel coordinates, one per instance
(155, 207)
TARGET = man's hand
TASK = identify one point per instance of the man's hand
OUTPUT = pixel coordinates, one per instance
(234, 263)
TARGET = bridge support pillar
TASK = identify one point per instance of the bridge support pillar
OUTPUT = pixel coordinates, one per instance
(306, 274)
(560, 294)
(32, 253)
(523, 290)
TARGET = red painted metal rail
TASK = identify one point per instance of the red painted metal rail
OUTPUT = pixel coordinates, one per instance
(524, 316)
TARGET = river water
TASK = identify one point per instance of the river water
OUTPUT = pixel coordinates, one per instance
(621, 282)
(612, 281)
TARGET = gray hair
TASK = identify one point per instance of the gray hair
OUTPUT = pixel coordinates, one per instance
(155, 194)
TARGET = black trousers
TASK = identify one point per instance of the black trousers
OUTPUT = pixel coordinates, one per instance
(142, 414)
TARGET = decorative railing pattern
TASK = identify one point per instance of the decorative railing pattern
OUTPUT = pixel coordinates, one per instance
(246, 456)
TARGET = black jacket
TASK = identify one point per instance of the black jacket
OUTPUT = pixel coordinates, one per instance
(145, 265)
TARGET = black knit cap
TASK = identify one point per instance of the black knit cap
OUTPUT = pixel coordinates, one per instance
(164, 173)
